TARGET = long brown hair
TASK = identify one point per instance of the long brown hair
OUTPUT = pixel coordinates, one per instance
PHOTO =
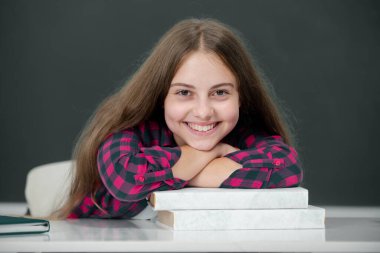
(142, 97)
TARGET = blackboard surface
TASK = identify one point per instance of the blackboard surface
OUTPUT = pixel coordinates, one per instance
(59, 59)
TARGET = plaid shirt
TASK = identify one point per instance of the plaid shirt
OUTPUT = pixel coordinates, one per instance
(137, 161)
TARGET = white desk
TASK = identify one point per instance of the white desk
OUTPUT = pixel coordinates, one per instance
(348, 229)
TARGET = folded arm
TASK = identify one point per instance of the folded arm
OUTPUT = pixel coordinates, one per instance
(130, 171)
(266, 162)
(215, 173)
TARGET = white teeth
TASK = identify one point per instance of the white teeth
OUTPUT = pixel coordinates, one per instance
(201, 128)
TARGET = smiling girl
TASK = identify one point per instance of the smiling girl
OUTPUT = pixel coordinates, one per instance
(196, 114)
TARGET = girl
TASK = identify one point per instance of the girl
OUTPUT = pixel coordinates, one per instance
(195, 114)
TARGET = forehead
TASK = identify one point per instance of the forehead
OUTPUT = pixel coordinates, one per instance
(203, 69)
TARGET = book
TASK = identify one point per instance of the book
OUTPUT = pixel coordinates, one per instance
(10, 225)
(308, 218)
(222, 198)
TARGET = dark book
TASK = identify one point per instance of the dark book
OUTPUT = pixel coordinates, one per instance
(11, 225)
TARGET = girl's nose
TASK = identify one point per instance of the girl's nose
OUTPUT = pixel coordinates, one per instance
(203, 110)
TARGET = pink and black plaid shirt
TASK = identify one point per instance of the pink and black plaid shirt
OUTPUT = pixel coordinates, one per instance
(135, 162)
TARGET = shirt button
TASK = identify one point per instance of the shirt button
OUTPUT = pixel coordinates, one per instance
(277, 162)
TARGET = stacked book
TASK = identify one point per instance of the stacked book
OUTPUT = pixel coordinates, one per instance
(226, 209)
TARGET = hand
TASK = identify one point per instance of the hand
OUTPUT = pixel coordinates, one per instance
(215, 173)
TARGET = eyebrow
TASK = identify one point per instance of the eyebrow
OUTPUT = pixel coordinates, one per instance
(193, 87)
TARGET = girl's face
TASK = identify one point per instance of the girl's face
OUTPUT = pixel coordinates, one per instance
(202, 105)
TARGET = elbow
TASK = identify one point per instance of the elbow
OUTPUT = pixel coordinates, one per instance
(125, 191)
(292, 176)
(132, 193)
(293, 172)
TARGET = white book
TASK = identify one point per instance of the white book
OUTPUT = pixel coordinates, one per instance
(309, 218)
(222, 198)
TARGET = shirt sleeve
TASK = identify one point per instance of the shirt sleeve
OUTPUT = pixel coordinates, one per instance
(267, 162)
(131, 171)
(103, 205)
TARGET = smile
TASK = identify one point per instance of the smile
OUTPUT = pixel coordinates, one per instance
(201, 128)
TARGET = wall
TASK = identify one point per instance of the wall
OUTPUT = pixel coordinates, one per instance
(59, 59)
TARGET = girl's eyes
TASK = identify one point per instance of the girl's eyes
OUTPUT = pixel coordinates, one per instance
(183, 93)
(221, 93)
(218, 93)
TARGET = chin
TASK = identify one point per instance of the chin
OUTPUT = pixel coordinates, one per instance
(202, 147)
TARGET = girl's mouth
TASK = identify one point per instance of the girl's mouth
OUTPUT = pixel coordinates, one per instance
(201, 128)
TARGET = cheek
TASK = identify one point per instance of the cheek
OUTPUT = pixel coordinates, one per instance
(173, 112)
(230, 112)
